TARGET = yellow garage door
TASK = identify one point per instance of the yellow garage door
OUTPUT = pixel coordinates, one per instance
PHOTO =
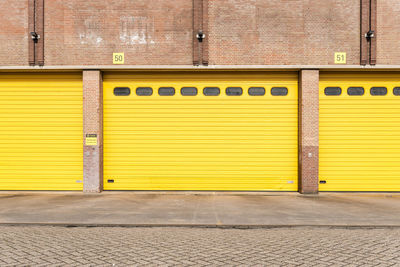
(41, 131)
(360, 131)
(200, 131)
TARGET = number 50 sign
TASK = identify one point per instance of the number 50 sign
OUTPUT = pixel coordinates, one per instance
(118, 58)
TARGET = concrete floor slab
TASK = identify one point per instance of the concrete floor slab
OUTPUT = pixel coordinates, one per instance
(206, 209)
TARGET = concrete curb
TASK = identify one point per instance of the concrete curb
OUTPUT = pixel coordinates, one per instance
(93, 225)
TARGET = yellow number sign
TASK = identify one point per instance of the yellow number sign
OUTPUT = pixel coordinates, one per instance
(118, 58)
(340, 58)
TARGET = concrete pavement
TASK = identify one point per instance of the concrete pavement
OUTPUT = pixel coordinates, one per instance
(205, 209)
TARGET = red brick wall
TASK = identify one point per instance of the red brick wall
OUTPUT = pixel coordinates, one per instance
(283, 31)
(159, 32)
(14, 32)
(81, 32)
(388, 32)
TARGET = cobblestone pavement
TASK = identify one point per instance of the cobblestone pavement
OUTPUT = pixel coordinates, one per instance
(82, 246)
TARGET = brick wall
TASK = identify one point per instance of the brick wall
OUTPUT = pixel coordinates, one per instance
(388, 32)
(160, 32)
(283, 31)
(14, 32)
(147, 31)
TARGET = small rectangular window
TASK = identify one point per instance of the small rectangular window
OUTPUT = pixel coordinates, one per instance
(256, 91)
(378, 91)
(279, 91)
(234, 91)
(122, 91)
(166, 91)
(333, 91)
(189, 91)
(144, 91)
(396, 91)
(355, 91)
(211, 91)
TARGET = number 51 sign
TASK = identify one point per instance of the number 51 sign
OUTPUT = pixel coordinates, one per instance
(118, 58)
(340, 58)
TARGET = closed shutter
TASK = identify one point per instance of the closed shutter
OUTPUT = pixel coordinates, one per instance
(200, 131)
(41, 131)
(359, 132)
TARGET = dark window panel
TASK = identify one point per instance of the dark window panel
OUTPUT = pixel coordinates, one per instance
(396, 91)
(166, 91)
(144, 91)
(234, 91)
(189, 91)
(333, 91)
(279, 91)
(378, 91)
(355, 91)
(211, 91)
(122, 91)
(256, 91)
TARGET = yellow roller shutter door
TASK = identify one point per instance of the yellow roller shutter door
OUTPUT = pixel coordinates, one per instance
(360, 131)
(41, 131)
(200, 142)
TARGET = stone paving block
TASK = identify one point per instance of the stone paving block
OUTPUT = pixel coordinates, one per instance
(60, 246)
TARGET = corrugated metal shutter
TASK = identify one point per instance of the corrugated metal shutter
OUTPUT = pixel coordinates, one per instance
(41, 131)
(359, 134)
(237, 142)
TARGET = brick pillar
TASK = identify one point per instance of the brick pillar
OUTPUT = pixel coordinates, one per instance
(373, 28)
(204, 45)
(39, 28)
(308, 131)
(364, 29)
(200, 23)
(196, 28)
(31, 28)
(92, 131)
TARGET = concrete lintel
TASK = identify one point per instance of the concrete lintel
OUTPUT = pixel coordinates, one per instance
(209, 67)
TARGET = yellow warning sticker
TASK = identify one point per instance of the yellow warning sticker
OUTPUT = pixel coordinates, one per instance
(118, 58)
(340, 58)
(91, 140)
